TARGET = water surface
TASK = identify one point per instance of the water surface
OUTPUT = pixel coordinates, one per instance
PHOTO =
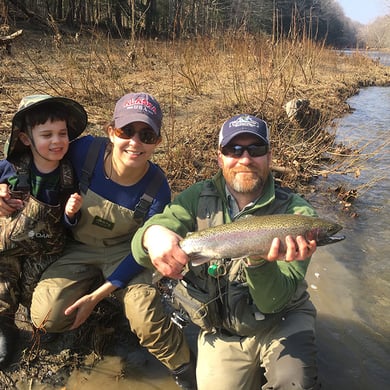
(352, 278)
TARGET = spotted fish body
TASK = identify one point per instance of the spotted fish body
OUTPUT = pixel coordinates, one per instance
(252, 236)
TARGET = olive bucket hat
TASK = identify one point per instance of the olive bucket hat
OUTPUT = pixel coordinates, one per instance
(76, 119)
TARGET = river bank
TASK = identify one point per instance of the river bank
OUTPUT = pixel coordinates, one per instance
(199, 85)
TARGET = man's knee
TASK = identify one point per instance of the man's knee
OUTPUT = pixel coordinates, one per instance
(156, 332)
(292, 364)
(143, 305)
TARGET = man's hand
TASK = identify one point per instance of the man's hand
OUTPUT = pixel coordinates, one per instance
(293, 249)
(164, 251)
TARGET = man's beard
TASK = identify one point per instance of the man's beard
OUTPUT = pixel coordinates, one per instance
(252, 184)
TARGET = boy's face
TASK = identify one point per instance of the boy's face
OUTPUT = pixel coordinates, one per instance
(48, 141)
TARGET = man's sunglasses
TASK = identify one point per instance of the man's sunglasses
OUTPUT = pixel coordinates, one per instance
(238, 150)
(146, 135)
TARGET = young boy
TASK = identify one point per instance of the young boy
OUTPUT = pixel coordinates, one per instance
(41, 191)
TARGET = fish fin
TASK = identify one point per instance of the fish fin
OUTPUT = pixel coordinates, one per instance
(198, 259)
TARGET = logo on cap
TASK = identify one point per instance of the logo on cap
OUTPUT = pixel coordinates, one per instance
(244, 121)
(140, 103)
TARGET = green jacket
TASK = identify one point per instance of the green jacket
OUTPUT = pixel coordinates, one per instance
(279, 280)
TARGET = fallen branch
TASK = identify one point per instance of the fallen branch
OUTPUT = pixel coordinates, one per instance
(8, 39)
(11, 37)
(279, 169)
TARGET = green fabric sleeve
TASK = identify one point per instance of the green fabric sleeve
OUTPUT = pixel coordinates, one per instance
(179, 216)
(272, 285)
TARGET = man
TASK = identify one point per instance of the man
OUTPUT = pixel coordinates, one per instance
(254, 313)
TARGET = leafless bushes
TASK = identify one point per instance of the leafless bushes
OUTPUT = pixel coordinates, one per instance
(200, 83)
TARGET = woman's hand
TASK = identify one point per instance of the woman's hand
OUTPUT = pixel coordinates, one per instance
(87, 303)
(84, 307)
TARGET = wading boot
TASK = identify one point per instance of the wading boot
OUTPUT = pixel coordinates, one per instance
(185, 375)
(9, 335)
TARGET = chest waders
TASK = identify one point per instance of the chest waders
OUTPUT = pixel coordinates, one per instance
(31, 238)
(37, 229)
(215, 295)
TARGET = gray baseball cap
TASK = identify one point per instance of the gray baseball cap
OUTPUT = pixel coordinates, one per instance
(138, 107)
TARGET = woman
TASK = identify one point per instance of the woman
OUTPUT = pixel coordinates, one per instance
(98, 262)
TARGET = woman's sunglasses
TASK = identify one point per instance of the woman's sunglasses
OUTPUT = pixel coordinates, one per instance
(238, 150)
(146, 135)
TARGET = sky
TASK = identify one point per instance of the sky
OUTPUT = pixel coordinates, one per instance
(365, 11)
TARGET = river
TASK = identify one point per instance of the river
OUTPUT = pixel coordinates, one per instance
(349, 281)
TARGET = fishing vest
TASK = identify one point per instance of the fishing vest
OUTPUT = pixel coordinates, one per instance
(37, 229)
(215, 295)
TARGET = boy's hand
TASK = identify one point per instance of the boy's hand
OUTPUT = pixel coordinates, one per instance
(7, 204)
(73, 205)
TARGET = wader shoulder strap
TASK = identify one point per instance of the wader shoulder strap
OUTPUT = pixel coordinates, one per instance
(90, 162)
(67, 176)
(146, 200)
(210, 209)
(142, 208)
(280, 205)
(23, 166)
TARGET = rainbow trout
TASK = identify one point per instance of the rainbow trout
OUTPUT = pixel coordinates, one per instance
(252, 236)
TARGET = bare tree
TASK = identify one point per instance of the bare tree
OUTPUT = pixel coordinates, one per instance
(315, 19)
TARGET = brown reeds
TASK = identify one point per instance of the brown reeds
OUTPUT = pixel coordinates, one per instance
(199, 84)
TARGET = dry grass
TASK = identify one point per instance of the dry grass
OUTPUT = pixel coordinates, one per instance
(199, 84)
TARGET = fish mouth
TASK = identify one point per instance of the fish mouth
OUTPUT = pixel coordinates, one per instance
(330, 240)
